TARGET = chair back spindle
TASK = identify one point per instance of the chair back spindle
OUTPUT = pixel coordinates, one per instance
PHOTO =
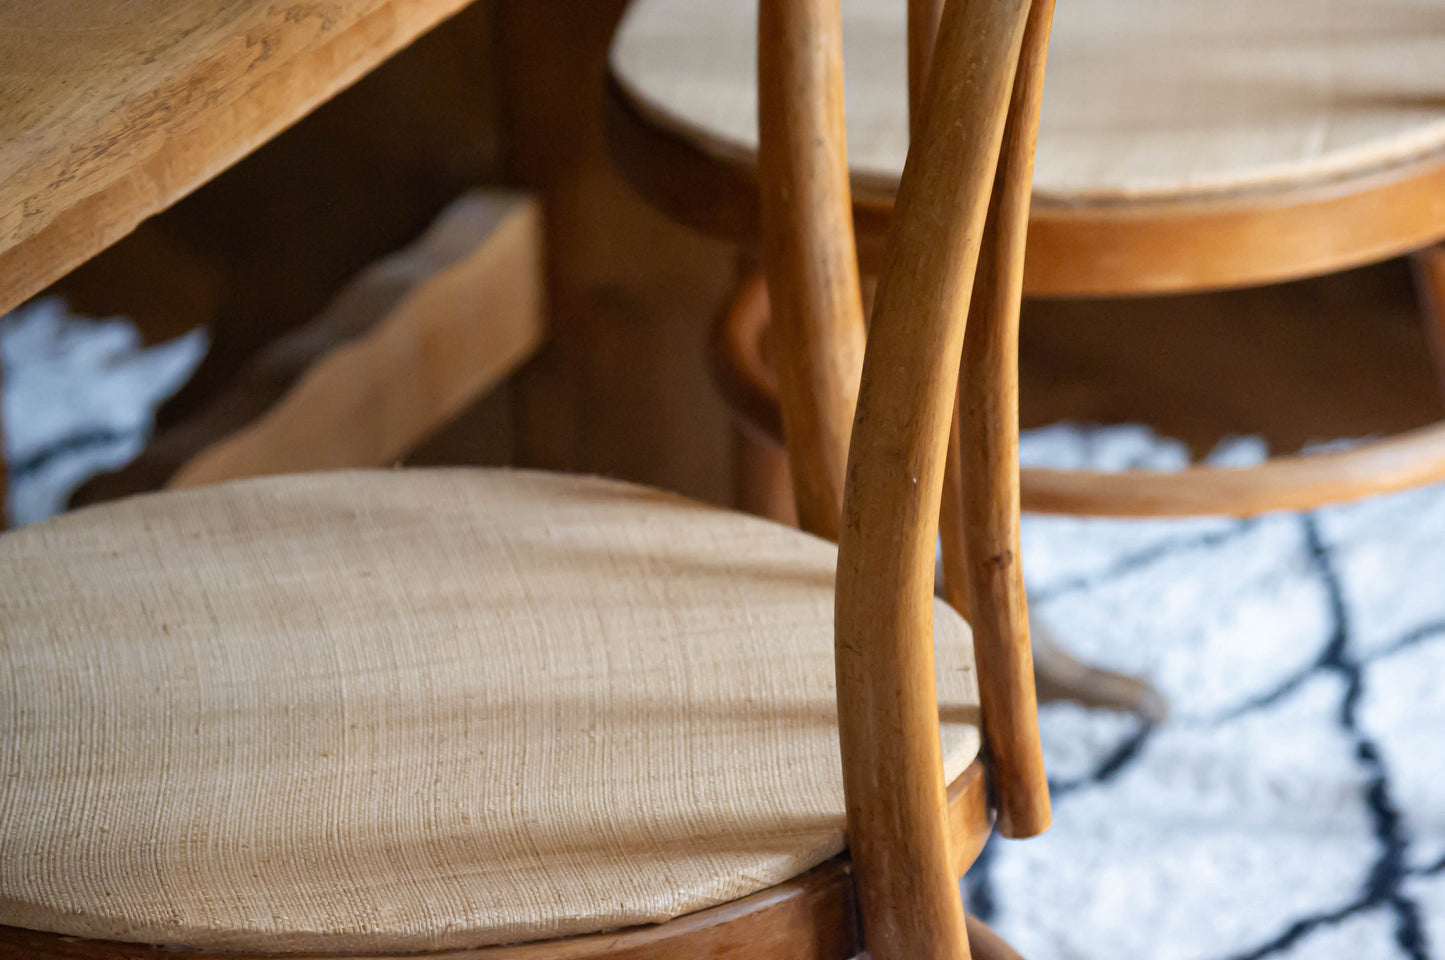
(988, 436)
(922, 29)
(808, 247)
(884, 614)
(953, 185)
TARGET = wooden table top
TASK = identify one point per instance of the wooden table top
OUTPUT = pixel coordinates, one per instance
(111, 111)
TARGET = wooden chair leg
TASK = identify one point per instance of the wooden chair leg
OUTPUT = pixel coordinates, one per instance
(1429, 267)
(1058, 676)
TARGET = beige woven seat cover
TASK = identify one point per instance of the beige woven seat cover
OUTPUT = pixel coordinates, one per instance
(1144, 98)
(411, 710)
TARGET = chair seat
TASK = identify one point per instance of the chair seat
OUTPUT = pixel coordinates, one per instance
(398, 711)
(1145, 99)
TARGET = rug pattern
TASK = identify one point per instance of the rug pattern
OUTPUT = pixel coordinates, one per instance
(1293, 805)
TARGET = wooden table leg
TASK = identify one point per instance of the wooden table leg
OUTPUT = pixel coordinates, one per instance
(622, 389)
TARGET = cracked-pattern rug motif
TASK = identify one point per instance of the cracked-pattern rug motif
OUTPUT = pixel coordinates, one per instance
(1293, 805)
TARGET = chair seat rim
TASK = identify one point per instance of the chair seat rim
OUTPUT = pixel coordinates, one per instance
(820, 900)
(1119, 246)
(1300, 481)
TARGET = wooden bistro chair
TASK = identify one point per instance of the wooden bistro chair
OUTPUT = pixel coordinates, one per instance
(1189, 145)
(496, 714)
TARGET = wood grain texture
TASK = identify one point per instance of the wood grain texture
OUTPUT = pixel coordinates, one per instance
(264, 246)
(955, 850)
(111, 112)
(808, 248)
(406, 347)
(473, 249)
(923, 17)
(922, 30)
(988, 405)
(887, 709)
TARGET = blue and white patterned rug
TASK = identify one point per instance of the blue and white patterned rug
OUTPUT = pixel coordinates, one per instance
(79, 398)
(1293, 806)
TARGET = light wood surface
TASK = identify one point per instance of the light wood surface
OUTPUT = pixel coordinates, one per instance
(1307, 140)
(405, 348)
(812, 263)
(110, 112)
(432, 325)
(909, 901)
(923, 19)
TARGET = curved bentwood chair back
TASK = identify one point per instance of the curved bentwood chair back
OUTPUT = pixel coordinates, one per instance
(954, 264)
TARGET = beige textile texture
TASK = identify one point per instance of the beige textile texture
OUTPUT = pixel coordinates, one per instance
(412, 710)
(1144, 98)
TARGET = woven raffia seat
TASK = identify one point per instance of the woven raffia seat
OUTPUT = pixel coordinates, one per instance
(399, 711)
(1146, 99)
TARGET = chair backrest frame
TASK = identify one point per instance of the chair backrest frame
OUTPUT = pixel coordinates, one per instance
(809, 249)
(957, 201)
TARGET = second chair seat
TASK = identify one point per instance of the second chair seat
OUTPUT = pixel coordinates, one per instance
(402, 711)
(1184, 144)
(1144, 100)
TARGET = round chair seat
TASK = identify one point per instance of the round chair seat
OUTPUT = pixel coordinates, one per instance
(1152, 110)
(417, 710)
